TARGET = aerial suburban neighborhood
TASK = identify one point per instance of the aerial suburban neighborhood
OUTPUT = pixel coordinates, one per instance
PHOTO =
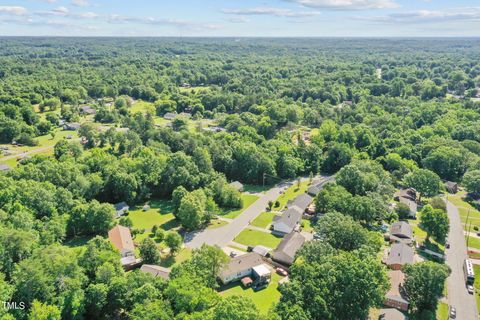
(219, 160)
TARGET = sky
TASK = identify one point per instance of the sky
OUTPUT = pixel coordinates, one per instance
(241, 18)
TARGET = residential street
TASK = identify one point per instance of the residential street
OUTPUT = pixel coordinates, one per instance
(458, 296)
(224, 235)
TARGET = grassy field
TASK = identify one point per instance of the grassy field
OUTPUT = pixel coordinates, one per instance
(247, 199)
(143, 107)
(263, 299)
(421, 235)
(254, 237)
(263, 220)
(214, 224)
(169, 261)
(442, 311)
(291, 193)
(476, 269)
(463, 206)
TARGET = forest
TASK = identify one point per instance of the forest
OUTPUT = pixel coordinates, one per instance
(378, 114)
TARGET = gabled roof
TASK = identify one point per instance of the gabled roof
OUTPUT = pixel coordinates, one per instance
(302, 201)
(401, 229)
(391, 314)
(290, 218)
(397, 278)
(156, 271)
(400, 253)
(242, 263)
(121, 238)
(313, 190)
(288, 247)
(121, 206)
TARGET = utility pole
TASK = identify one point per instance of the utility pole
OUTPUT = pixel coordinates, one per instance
(468, 235)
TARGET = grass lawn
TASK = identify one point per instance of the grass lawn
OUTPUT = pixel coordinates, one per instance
(142, 106)
(461, 201)
(160, 214)
(442, 311)
(263, 299)
(253, 188)
(254, 237)
(307, 225)
(169, 261)
(263, 220)
(214, 224)
(247, 200)
(291, 193)
(476, 269)
(421, 235)
(473, 242)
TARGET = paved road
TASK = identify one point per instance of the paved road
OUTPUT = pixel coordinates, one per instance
(458, 296)
(224, 235)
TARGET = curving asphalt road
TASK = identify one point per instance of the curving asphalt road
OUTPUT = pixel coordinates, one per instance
(458, 296)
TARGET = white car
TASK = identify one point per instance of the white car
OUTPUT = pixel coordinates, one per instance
(470, 289)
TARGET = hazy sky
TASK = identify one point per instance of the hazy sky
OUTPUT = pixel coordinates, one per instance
(311, 18)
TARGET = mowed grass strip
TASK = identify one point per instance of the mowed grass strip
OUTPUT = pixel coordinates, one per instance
(263, 220)
(291, 193)
(253, 238)
(247, 200)
(263, 299)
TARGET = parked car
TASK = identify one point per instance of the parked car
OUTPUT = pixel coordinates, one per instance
(453, 313)
(470, 289)
(447, 245)
(281, 272)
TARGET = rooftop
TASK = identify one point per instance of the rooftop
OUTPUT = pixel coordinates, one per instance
(243, 262)
(400, 253)
(121, 238)
(291, 217)
(302, 202)
(288, 247)
(156, 271)
(401, 229)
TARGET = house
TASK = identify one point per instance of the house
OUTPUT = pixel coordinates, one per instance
(88, 110)
(408, 197)
(402, 230)
(121, 238)
(5, 168)
(399, 255)
(301, 202)
(240, 267)
(315, 189)
(261, 250)
(391, 314)
(396, 297)
(451, 187)
(169, 116)
(156, 271)
(288, 247)
(237, 185)
(288, 222)
(72, 126)
(121, 208)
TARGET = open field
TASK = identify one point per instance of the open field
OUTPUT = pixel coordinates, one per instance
(263, 220)
(253, 238)
(169, 261)
(247, 199)
(263, 299)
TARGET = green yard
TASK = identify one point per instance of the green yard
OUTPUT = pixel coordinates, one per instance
(464, 207)
(247, 200)
(442, 311)
(263, 299)
(169, 261)
(476, 269)
(307, 225)
(421, 235)
(263, 220)
(143, 107)
(253, 238)
(291, 193)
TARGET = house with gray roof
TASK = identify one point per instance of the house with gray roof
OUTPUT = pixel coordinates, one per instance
(121, 208)
(240, 266)
(169, 116)
(156, 271)
(287, 249)
(401, 229)
(288, 222)
(72, 126)
(301, 202)
(396, 297)
(409, 198)
(88, 110)
(399, 255)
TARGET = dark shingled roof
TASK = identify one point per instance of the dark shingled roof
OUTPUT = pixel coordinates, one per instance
(241, 263)
(302, 202)
(401, 229)
(291, 218)
(286, 250)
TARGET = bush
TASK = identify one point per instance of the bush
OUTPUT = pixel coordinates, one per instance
(438, 203)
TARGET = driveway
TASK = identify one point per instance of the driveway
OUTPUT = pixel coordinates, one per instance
(458, 296)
